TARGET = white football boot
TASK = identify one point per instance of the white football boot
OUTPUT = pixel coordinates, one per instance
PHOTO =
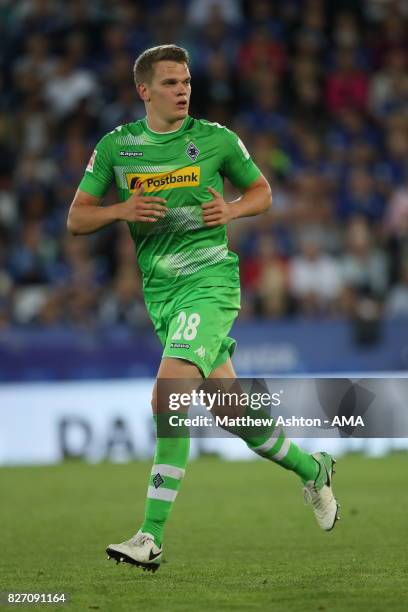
(140, 550)
(319, 493)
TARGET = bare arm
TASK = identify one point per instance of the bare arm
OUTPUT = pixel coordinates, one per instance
(87, 216)
(255, 200)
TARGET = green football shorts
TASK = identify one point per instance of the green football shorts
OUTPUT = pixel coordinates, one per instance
(193, 325)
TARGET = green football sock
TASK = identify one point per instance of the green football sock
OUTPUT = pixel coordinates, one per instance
(275, 446)
(168, 469)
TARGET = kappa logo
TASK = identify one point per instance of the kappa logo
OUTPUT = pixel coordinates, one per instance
(192, 151)
(200, 351)
(185, 177)
(131, 153)
(179, 345)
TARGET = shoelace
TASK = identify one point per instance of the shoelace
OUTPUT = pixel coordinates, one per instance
(311, 496)
(140, 538)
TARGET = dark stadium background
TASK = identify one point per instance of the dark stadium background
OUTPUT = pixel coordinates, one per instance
(317, 90)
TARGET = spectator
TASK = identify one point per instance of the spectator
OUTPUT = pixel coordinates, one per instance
(347, 85)
(30, 257)
(396, 220)
(37, 59)
(384, 86)
(200, 11)
(393, 170)
(311, 205)
(314, 278)
(265, 276)
(68, 86)
(397, 301)
(123, 303)
(266, 110)
(363, 268)
(396, 231)
(260, 52)
(360, 197)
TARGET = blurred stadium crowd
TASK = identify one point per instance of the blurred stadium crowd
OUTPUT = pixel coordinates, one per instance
(317, 90)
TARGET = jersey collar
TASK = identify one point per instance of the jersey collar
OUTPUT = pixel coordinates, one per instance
(162, 136)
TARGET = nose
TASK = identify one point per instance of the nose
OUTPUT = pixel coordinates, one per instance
(181, 89)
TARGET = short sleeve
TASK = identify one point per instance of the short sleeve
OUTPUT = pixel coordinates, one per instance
(98, 175)
(238, 166)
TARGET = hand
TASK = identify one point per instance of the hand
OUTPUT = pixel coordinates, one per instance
(142, 208)
(216, 212)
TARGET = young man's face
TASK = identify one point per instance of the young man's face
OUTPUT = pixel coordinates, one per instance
(168, 94)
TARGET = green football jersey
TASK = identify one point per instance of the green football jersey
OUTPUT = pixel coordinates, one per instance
(178, 166)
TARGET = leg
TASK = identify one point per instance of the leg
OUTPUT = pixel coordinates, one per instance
(192, 327)
(274, 445)
(315, 470)
(170, 458)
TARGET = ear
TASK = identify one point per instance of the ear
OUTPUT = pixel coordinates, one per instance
(143, 91)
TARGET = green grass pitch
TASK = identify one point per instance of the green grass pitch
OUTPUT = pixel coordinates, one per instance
(240, 538)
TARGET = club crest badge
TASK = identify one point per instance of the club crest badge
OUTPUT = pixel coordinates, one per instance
(192, 151)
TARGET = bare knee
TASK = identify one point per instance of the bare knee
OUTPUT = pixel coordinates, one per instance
(186, 374)
(154, 399)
